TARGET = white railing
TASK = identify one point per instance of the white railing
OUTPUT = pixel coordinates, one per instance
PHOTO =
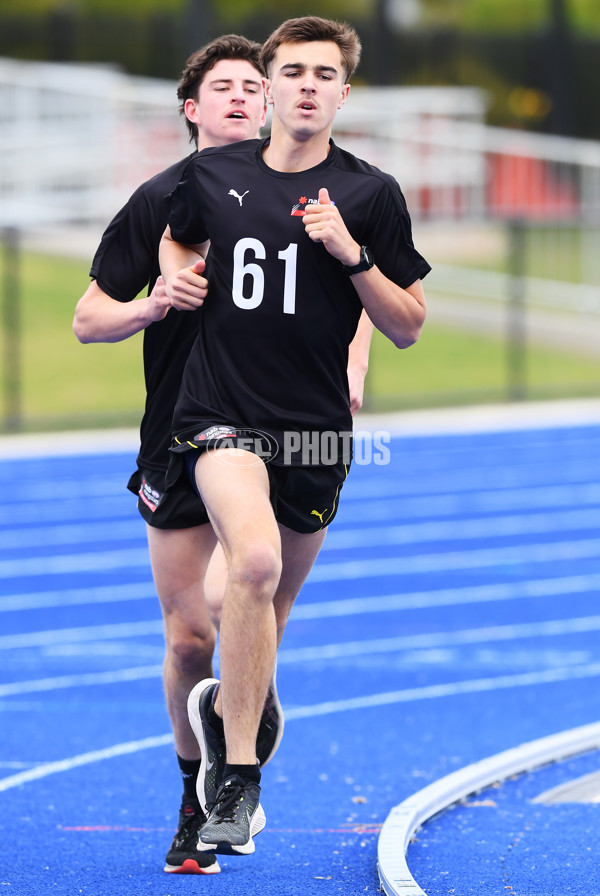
(76, 140)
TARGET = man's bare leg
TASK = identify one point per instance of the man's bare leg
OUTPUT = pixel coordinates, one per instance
(299, 552)
(179, 559)
(235, 489)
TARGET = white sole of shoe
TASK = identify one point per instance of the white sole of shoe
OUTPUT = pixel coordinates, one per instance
(240, 849)
(280, 727)
(197, 728)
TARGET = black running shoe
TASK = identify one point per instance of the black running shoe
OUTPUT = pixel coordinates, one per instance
(184, 856)
(270, 729)
(212, 747)
(234, 820)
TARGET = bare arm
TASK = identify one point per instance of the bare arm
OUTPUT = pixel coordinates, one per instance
(100, 318)
(358, 362)
(182, 268)
(399, 313)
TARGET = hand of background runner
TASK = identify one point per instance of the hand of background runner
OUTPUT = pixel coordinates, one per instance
(159, 301)
(188, 288)
(324, 224)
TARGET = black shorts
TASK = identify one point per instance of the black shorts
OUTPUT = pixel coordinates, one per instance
(177, 508)
(304, 499)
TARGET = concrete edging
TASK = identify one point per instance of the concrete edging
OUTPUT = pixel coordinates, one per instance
(407, 817)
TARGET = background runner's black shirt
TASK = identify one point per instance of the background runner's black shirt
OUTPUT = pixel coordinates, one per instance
(272, 348)
(125, 263)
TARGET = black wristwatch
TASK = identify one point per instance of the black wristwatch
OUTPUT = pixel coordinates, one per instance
(365, 264)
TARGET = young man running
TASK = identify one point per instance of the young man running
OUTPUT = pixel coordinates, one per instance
(304, 238)
(221, 95)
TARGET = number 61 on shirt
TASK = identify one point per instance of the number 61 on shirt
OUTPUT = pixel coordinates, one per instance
(243, 269)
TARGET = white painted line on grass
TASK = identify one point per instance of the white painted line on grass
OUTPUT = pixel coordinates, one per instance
(407, 817)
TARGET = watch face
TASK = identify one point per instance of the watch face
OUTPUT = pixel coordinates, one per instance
(367, 260)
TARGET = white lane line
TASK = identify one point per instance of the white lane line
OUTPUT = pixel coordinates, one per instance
(66, 765)
(443, 561)
(319, 709)
(456, 479)
(56, 565)
(552, 628)
(86, 679)
(440, 503)
(82, 633)
(343, 650)
(120, 630)
(53, 512)
(327, 572)
(73, 534)
(407, 817)
(77, 443)
(465, 529)
(447, 597)
(450, 689)
(68, 597)
(444, 503)
(529, 417)
(109, 486)
(522, 416)
(554, 587)
(303, 654)
(585, 789)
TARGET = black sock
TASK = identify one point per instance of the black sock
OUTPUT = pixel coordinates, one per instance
(247, 772)
(189, 772)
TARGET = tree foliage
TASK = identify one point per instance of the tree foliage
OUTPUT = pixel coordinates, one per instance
(507, 15)
(472, 15)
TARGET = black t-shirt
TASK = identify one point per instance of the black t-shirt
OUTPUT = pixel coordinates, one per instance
(125, 263)
(272, 347)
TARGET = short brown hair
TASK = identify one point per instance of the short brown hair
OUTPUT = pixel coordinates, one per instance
(311, 28)
(229, 46)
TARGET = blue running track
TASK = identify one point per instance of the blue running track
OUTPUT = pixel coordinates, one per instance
(453, 613)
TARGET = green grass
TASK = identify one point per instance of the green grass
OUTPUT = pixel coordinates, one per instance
(453, 367)
(65, 384)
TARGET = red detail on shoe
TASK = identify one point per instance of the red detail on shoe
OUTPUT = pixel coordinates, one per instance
(190, 866)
